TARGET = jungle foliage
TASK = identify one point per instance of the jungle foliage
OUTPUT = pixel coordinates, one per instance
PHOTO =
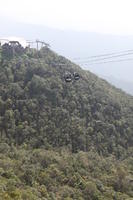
(61, 140)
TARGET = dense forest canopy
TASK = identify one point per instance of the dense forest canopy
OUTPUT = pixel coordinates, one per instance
(61, 140)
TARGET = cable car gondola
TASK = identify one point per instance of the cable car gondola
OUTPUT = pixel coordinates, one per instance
(68, 77)
(76, 76)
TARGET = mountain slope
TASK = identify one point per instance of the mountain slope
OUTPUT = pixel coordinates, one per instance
(58, 140)
(39, 108)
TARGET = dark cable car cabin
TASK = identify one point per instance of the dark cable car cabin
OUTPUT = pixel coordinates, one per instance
(76, 76)
(68, 77)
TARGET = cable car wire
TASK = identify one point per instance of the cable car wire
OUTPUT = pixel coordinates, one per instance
(111, 61)
(106, 58)
(103, 55)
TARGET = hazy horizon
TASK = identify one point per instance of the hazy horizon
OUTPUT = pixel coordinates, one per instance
(112, 17)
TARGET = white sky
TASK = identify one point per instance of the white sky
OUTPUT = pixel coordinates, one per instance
(105, 16)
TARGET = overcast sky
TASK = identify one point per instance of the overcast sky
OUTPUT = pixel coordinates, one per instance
(105, 16)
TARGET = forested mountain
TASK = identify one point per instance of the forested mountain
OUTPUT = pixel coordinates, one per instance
(61, 140)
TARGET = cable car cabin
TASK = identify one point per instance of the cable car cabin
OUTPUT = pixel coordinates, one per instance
(76, 76)
(68, 77)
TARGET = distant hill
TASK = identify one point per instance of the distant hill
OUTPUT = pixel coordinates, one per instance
(61, 140)
(127, 86)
